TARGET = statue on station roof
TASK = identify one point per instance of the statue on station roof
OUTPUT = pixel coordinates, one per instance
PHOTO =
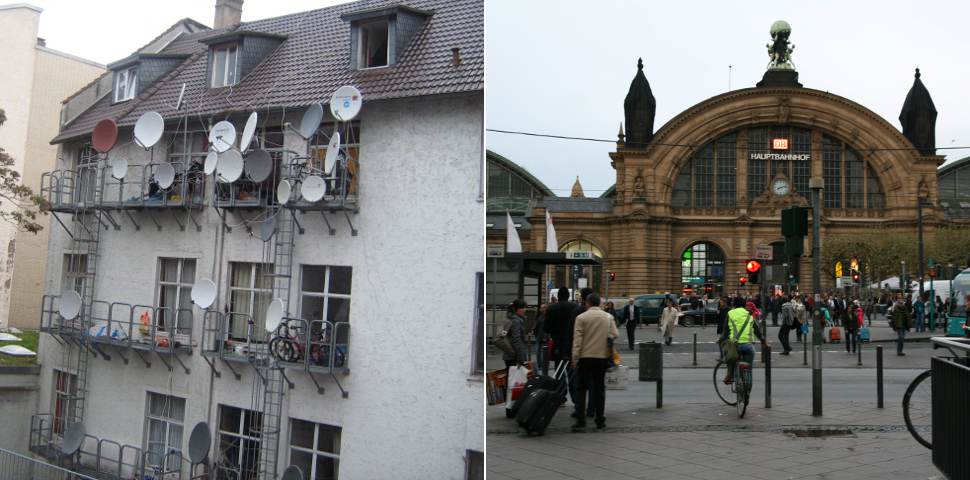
(780, 50)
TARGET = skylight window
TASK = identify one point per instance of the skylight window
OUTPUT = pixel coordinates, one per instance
(224, 70)
(125, 84)
(373, 44)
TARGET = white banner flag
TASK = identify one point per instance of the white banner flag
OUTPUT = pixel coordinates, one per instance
(512, 242)
(552, 245)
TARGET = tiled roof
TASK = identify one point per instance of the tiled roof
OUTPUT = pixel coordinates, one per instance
(311, 64)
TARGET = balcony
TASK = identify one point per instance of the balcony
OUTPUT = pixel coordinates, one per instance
(101, 458)
(340, 186)
(123, 327)
(140, 189)
(70, 191)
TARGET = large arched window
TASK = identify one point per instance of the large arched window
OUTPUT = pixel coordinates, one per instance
(760, 172)
(709, 178)
(849, 181)
(569, 276)
(702, 265)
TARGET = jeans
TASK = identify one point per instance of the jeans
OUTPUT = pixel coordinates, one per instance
(900, 338)
(783, 337)
(851, 340)
(919, 322)
(592, 378)
(745, 354)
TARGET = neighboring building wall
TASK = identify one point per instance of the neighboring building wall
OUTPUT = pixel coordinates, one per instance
(18, 394)
(56, 75)
(414, 406)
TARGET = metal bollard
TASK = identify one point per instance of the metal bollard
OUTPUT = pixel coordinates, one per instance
(768, 376)
(804, 352)
(858, 347)
(695, 350)
(879, 403)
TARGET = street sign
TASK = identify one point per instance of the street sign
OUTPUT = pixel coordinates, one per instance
(549, 285)
(763, 252)
(579, 255)
(838, 269)
(496, 251)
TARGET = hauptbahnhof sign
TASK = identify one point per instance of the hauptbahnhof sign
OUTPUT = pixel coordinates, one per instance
(781, 156)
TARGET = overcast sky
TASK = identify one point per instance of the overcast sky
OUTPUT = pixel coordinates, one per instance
(564, 67)
(109, 30)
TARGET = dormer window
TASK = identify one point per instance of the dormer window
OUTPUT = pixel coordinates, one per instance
(125, 84)
(373, 44)
(224, 61)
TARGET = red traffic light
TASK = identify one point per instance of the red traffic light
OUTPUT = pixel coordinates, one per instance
(612, 276)
(752, 266)
(743, 280)
(855, 277)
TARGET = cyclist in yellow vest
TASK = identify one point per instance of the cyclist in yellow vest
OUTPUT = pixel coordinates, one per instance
(736, 318)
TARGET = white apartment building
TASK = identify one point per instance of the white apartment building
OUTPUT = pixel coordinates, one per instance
(377, 372)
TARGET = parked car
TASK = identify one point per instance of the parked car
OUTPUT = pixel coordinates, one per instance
(698, 316)
(651, 306)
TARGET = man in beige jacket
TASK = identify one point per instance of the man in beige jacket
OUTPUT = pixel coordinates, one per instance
(590, 354)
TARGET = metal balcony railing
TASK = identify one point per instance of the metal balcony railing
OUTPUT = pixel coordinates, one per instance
(16, 466)
(69, 191)
(244, 194)
(140, 189)
(340, 185)
(315, 346)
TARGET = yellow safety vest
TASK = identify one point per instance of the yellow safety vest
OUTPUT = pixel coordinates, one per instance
(736, 319)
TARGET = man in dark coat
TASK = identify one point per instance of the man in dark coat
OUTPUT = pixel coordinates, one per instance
(559, 326)
(631, 316)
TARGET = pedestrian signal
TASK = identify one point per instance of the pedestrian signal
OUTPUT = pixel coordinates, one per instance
(612, 276)
(753, 267)
(855, 277)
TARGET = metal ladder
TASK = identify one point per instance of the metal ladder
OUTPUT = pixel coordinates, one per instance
(86, 238)
(272, 408)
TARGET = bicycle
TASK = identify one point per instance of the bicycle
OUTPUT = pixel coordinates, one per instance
(740, 388)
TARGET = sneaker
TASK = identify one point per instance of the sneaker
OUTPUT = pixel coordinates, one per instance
(901, 354)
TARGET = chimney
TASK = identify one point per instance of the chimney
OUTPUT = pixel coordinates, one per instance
(228, 12)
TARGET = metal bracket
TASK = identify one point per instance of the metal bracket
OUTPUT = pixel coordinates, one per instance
(68, 230)
(329, 227)
(298, 226)
(222, 214)
(118, 351)
(160, 357)
(176, 218)
(198, 226)
(184, 367)
(111, 219)
(152, 216)
(260, 374)
(102, 352)
(320, 388)
(343, 392)
(147, 363)
(233, 370)
(132, 218)
(353, 231)
(288, 381)
(107, 226)
(212, 365)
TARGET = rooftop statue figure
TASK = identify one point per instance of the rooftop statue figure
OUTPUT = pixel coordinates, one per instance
(779, 50)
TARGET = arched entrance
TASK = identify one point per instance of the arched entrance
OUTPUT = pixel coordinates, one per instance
(702, 269)
(579, 275)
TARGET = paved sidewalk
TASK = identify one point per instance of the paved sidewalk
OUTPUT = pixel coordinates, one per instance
(696, 437)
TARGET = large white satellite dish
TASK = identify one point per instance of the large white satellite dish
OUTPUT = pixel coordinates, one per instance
(73, 438)
(313, 188)
(274, 314)
(222, 136)
(345, 103)
(210, 162)
(69, 305)
(230, 166)
(283, 192)
(204, 293)
(148, 129)
(165, 175)
(267, 229)
(311, 120)
(333, 148)
(119, 167)
(247, 133)
(259, 165)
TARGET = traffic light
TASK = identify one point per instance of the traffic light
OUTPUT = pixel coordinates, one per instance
(753, 267)
(855, 276)
(612, 276)
(743, 280)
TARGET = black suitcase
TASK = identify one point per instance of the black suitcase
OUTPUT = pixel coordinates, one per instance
(537, 411)
(538, 382)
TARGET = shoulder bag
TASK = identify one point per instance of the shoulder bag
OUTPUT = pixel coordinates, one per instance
(502, 341)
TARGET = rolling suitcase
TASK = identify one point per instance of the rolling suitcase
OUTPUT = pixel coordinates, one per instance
(538, 382)
(864, 334)
(541, 404)
(835, 335)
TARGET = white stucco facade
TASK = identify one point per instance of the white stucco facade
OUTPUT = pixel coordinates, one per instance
(414, 405)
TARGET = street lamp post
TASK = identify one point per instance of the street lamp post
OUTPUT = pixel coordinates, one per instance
(902, 277)
(787, 288)
(919, 234)
(816, 185)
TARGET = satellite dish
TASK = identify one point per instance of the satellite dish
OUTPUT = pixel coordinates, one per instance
(283, 191)
(345, 103)
(311, 120)
(274, 314)
(333, 148)
(222, 136)
(292, 472)
(119, 168)
(248, 131)
(148, 129)
(69, 305)
(259, 165)
(73, 437)
(313, 188)
(267, 229)
(230, 166)
(210, 162)
(105, 135)
(199, 441)
(165, 175)
(204, 293)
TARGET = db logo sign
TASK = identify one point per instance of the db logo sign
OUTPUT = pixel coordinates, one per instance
(779, 144)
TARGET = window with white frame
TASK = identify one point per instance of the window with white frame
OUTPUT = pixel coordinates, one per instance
(315, 448)
(175, 279)
(63, 400)
(325, 293)
(125, 83)
(223, 69)
(478, 337)
(239, 442)
(164, 415)
(72, 275)
(372, 46)
(474, 465)
(250, 291)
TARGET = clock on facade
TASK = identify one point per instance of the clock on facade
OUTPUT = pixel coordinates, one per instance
(780, 187)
